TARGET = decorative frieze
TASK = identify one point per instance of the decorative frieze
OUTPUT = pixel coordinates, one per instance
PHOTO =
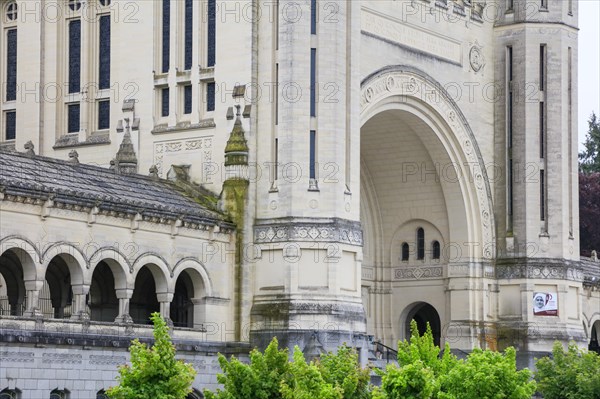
(61, 358)
(108, 359)
(20, 357)
(418, 273)
(343, 232)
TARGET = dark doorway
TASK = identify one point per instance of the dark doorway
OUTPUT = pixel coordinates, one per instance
(424, 313)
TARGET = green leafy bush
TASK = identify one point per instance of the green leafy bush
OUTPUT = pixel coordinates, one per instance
(570, 374)
(342, 369)
(154, 372)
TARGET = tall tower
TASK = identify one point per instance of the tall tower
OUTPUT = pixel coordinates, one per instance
(308, 270)
(536, 142)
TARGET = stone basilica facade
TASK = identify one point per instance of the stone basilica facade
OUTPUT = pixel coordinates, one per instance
(320, 171)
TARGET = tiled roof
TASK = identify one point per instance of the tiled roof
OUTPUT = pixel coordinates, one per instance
(92, 186)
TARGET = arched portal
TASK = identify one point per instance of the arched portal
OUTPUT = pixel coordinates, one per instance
(182, 307)
(423, 313)
(12, 286)
(102, 301)
(56, 297)
(595, 337)
(144, 301)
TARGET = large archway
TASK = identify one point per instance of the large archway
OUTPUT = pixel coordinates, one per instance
(425, 198)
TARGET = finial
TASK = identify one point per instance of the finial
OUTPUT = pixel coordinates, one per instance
(239, 112)
(29, 147)
(74, 157)
(153, 172)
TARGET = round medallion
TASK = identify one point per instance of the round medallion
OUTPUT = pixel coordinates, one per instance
(476, 58)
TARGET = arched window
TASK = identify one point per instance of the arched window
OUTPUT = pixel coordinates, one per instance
(435, 250)
(74, 5)
(102, 395)
(405, 251)
(11, 11)
(10, 394)
(420, 243)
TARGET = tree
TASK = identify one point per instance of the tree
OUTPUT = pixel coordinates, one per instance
(572, 374)
(589, 212)
(422, 374)
(589, 159)
(343, 370)
(419, 368)
(154, 372)
(487, 374)
(306, 382)
(260, 379)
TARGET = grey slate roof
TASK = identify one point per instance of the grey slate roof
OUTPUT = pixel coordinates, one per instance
(88, 186)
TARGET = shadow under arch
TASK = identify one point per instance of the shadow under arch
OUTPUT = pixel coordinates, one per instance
(422, 313)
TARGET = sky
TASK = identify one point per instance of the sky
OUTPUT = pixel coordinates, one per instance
(589, 63)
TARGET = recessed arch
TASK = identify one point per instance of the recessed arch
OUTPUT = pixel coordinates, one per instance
(200, 277)
(159, 268)
(73, 257)
(412, 92)
(26, 251)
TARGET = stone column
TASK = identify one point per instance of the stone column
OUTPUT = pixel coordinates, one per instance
(165, 300)
(33, 288)
(124, 295)
(80, 292)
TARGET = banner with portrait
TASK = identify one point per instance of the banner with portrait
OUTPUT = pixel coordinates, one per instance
(545, 304)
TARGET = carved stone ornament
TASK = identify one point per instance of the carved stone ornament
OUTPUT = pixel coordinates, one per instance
(476, 58)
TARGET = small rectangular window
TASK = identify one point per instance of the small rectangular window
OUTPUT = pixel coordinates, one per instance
(165, 102)
(510, 187)
(10, 128)
(543, 4)
(166, 35)
(210, 96)
(103, 114)
(75, 56)
(73, 118)
(212, 32)
(313, 83)
(509, 62)
(104, 53)
(276, 174)
(276, 94)
(11, 65)
(189, 26)
(313, 154)
(187, 99)
(509, 5)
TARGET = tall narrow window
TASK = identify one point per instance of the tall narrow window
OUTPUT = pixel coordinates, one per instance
(313, 17)
(313, 155)
(509, 5)
(405, 251)
(164, 102)
(435, 250)
(187, 99)
(570, 136)
(276, 94)
(276, 172)
(542, 66)
(103, 115)
(11, 65)
(73, 118)
(212, 33)
(543, 4)
(542, 196)
(542, 130)
(104, 53)
(313, 82)
(75, 56)
(166, 35)
(189, 26)
(509, 66)
(570, 10)
(210, 96)
(10, 125)
(509, 177)
(420, 243)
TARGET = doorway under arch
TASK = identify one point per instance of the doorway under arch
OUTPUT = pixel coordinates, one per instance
(423, 313)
